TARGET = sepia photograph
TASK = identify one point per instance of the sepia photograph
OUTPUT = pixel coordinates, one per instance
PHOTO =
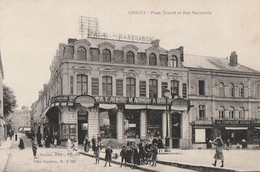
(131, 85)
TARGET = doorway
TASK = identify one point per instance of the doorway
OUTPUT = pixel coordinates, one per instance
(82, 125)
(176, 129)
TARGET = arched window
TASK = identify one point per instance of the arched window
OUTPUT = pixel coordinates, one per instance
(241, 113)
(106, 55)
(82, 84)
(130, 57)
(107, 86)
(173, 61)
(241, 90)
(82, 53)
(221, 112)
(130, 87)
(152, 59)
(221, 90)
(231, 90)
(231, 113)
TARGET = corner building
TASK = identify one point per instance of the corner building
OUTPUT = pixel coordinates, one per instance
(114, 88)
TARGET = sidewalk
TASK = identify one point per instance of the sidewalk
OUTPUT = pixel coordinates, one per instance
(4, 153)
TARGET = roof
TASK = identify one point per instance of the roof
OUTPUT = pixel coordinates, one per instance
(206, 62)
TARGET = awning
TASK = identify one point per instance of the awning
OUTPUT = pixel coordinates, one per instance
(135, 106)
(258, 128)
(236, 128)
(108, 106)
(87, 104)
(179, 108)
(43, 114)
(27, 129)
(156, 107)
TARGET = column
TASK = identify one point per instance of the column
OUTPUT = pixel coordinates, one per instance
(226, 114)
(236, 114)
(93, 122)
(163, 126)
(113, 86)
(120, 124)
(184, 141)
(143, 124)
(159, 88)
(100, 86)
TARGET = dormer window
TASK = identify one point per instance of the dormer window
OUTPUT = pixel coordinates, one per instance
(130, 59)
(82, 53)
(152, 59)
(106, 55)
(173, 61)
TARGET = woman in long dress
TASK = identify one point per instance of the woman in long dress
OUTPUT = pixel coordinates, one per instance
(69, 145)
(219, 151)
(21, 144)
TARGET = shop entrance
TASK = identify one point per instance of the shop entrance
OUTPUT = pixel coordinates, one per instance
(82, 125)
(154, 124)
(132, 123)
(176, 129)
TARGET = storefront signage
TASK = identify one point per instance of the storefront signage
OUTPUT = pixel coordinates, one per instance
(232, 122)
(206, 122)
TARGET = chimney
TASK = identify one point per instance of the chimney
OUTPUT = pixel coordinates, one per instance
(233, 59)
(181, 49)
(156, 43)
(71, 40)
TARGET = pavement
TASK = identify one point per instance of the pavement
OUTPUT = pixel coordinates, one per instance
(4, 153)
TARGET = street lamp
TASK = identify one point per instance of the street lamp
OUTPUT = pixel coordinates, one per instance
(166, 95)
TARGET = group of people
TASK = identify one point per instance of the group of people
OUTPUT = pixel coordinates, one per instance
(72, 144)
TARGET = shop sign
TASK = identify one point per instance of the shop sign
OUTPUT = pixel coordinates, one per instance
(232, 121)
(206, 122)
(85, 100)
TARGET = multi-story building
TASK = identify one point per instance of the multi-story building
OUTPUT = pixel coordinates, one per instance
(21, 119)
(115, 88)
(2, 121)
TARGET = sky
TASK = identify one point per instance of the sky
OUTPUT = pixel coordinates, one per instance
(31, 30)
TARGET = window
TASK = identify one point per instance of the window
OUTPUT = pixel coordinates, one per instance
(184, 90)
(221, 90)
(241, 90)
(241, 113)
(231, 90)
(82, 84)
(106, 86)
(173, 61)
(201, 112)
(258, 90)
(152, 59)
(174, 88)
(153, 88)
(71, 85)
(164, 86)
(119, 87)
(68, 131)
(95, 86)
(201, 87)
(142, 88)
(163, 60)
(132, 123)
(106, 55)
(108, 124)
(130, 58)
(130, 87)
(221, 112)
(82, 53)
(231, 113)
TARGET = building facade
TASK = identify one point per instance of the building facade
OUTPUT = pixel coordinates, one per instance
(21, 120)
(114, 88)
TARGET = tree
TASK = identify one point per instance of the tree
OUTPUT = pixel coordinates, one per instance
(9, 100)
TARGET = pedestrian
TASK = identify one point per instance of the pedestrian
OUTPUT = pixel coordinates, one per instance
(97, 149)
(98, 138)
(86, 143)
(47, 141)
(108, 156)
(149, 153)
(228, 144)
(160, 144)
(55, 142)
(69, 145)
(128, 153)
(154, 156)
(123, 155)
(75, 144)
(21, 144)
(34, 147)
(135, 156)
(93, 141)
(15, 136)
(218, 142)
(39, 139)
(141, 151)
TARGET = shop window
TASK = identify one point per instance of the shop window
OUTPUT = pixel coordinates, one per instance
(174, 88)
(164, 86)
(130, 87)
(107, 86)
(82, 53)
(231, 113)
(221, 90)
(202, 87)
(68, 131)
(154, 124)
(142, 88)
(107, 121)
(201, 112)
(95, 86)
(71, 84)
(221, 112)
(241, 113)
(152, 59)
(173, 61)
(106, 55)
(184, 90)
(82, 84)
(200, 135)
(119, 87)
(231, 90)
(132, 123)
(153, 88)
(241, 90)
(130, 58)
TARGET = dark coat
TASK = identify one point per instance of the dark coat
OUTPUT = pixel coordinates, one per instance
(128, 155)
(135, 156)
(123, 153)
(108, 156)
(160, 143)
(21, 144)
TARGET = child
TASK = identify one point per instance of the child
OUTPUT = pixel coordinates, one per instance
(55, 142)
(69, 145)
(108, 157)
(97, 148)
(123, 155)
(75, 145)
(154, 156)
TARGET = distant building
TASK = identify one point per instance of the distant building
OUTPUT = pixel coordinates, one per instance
(21, 119)
(115, 88)
(2, 121)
